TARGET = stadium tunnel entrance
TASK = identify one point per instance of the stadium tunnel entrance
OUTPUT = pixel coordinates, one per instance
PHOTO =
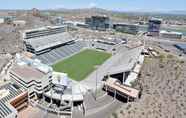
(121, 76)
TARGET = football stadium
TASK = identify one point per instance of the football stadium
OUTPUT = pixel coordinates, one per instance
(67, 71)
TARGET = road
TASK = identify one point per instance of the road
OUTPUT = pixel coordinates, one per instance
(101, 108)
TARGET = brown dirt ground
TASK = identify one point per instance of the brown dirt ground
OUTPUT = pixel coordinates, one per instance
(164, 92)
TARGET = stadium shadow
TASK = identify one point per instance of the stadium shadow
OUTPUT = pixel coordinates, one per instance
(118, 97)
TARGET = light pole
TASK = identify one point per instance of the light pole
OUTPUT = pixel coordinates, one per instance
(96, 81)
(96, 86)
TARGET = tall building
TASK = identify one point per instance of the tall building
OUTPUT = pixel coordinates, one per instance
(35, 12)
(98, 22)
(154, 27)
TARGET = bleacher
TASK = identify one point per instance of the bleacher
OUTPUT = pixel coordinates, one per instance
(61, 53)
(13, 92)
(6, 110)
(69, 49)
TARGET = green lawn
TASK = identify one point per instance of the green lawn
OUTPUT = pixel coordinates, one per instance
(80, 65)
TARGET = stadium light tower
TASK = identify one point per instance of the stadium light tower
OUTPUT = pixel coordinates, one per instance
(97, 66)
(96, 84)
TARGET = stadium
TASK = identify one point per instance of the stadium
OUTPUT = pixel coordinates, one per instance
(76, 57)
(66, 69)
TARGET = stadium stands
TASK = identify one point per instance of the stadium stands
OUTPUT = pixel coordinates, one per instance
(13, 92)
(101, 46)
(6, 109)
(61, 52)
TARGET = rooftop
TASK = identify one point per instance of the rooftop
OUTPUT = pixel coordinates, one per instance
(113, 83)
(156, 19)
(27, 73)
(128, 24)
(42, 28)
(170, 32)
(181, 46)
(44, 42)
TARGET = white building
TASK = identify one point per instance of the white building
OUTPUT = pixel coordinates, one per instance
(1, 20)
(170, 34)
(19, 23)
(31, 74)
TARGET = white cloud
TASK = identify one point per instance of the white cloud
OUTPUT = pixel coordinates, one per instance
(92, 4)
(59, 6)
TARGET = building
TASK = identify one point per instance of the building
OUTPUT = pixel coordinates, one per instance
(81, 24)
(76, 24)
(41, 40)
(64, 89)
(88, 21)
(23, 76)
(9, 19)
(35, 12)
(19, 23)
(98, 22)
(45, 44)
(57, 20)
(115, 86)
(154, 27)
(1, 20)
(22, 71)
(43, 31)
(126, 28)
(170, 34)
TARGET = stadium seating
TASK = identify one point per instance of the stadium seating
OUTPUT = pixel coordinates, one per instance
(61, 52)
(13, 92)
(67, 50)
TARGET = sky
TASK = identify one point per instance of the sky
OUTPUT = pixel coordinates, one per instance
(119, 5)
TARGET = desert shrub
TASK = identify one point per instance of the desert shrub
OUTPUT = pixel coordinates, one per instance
(114, 115)
(170, 56)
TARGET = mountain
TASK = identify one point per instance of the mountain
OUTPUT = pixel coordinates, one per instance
(179, 12)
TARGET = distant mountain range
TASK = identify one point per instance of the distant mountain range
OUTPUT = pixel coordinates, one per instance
(100, 10)
(181, 12)
(105, 11)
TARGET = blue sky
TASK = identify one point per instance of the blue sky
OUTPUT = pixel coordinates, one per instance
(122, 5)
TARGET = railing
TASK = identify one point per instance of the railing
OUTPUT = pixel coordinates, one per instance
(46, 107)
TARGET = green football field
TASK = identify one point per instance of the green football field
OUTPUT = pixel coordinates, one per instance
(80, 65)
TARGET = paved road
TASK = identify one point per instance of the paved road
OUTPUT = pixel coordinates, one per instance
(101, 107)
